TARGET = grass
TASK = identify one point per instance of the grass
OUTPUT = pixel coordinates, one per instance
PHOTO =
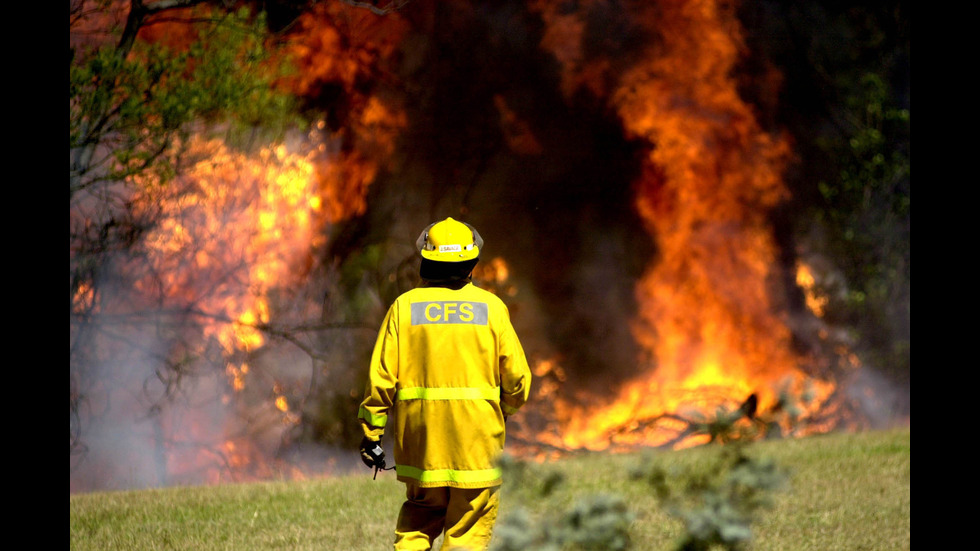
(845, 491)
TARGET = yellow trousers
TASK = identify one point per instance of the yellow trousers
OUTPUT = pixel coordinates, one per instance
(464, 515)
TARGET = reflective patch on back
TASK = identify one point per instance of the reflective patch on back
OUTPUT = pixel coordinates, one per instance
(453, 312)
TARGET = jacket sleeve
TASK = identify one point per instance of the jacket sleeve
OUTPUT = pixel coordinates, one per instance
(379, 393)
(515, 374)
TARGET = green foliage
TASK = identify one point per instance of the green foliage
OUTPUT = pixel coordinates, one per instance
(874, 167)
(595, 523)
(847, 102)
(719, 502)
(130, 111)
(592, 523)
(866, 214)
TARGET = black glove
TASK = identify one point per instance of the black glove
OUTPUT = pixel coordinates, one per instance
(372, 453)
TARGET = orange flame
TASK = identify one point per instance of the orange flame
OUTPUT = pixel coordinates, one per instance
(816, 301)
(248, 225)
(708, 324)
(240, 230)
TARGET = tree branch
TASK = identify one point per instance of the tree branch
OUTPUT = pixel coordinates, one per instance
(390, 7)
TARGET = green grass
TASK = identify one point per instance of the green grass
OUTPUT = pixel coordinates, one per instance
(845, 491)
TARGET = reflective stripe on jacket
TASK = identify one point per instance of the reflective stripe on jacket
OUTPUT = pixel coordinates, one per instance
(447, 366)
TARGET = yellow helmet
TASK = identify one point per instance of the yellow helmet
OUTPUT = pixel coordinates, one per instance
(449, 241)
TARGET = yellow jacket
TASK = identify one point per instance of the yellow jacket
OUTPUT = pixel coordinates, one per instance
(447, 366)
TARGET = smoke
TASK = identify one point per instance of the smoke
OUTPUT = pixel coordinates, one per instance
(121, 447)
(144, 403)
(157, 402)
(174, 378)
(882, 402)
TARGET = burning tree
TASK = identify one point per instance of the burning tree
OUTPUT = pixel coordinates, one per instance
(152, 87)
(197, 209)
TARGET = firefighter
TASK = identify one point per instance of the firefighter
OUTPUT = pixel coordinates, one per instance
(449, 369)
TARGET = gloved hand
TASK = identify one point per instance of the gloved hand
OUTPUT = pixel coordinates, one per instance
(372, 454)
